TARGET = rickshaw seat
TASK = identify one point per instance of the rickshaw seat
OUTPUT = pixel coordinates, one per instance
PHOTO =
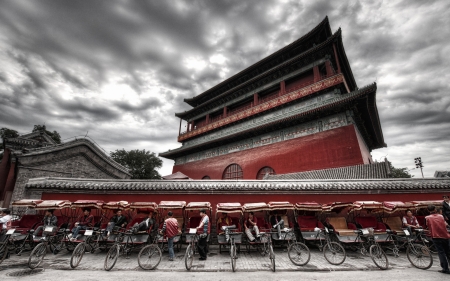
(372, 222)
(194, 221)
(421, 221)
(308, 223)
(341, 226)
(235, 221)
(27, 222)
(134, 221)
(395, 224)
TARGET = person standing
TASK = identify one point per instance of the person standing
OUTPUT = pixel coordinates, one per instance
(203, 237)
(446, 208)
(170, 228)
(438, 231)
(48, 220)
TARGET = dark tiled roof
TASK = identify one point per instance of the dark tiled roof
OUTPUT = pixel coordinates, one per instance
(202, 186)
(370, 171)
(323, 26)
(76, 143)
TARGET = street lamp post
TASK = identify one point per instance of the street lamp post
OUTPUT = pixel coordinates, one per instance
(419, 164)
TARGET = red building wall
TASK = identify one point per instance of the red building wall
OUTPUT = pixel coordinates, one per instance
(329, 149)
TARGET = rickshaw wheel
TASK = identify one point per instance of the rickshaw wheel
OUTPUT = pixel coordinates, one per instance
(334, 253)
(37, 255)
(379, 257)
(299, 253)
(419, 256)
(189, 257)
(111, 257)
(149, 257)
(3, 252)
(233, 257)
(77, 255)
(272, 258)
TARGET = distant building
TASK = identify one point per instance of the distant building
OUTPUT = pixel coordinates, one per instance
(296, 110)
(442, 174)
(36, 155)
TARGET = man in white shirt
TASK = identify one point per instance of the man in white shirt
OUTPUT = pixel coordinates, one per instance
(5, 219)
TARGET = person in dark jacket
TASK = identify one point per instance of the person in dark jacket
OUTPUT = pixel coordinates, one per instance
(446, 208)
(144, 225)
(117, 221)
(48, 220)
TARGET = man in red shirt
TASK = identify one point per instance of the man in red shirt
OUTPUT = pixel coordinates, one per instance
(437, 227)
(170, 227)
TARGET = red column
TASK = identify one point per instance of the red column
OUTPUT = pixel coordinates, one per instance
(10, 182)
(329, 68)
(255, 99)
(282, 88)
(337, 59)
(225, 109)
(207, 118)
(4, 168)
(316, 73)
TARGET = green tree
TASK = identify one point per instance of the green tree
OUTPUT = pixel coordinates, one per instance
(54, 135)
(399, 172)
(6, 133)
(140, 163)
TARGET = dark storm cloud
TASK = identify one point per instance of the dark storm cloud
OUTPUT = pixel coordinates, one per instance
(121, 69)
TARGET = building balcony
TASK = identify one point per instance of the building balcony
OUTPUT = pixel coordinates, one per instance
(264, 104)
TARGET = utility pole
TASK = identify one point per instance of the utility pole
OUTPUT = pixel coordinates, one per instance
(419, 163)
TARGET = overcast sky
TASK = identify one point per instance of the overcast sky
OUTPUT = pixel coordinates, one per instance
(120, 69)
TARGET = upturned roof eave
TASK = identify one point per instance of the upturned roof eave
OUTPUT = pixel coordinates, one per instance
(330, 40)
(323, 24)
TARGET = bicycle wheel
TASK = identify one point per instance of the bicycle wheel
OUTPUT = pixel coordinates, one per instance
(37, 255)
(334, 253)
(77, 255)
(379, 257)
(111, 257)
(233, 257)
(149, 257)
(299, 253)
(3, 252)
(189, 257)
(272, 258)
(419, 256)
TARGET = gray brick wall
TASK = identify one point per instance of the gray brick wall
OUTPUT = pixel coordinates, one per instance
(73, 167)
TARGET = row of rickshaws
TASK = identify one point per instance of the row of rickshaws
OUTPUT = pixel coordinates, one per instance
(369, 227)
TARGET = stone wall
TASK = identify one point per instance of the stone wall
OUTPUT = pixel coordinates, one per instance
(74, 167)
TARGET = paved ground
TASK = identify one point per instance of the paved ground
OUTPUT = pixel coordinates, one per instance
(247, 262)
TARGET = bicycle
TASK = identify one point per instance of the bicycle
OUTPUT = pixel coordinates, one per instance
(367, 243)
(266, 238)
(190, 251)
(118, 248)
(80, 249)
(418, 254)
(146, 255)
(333, 252)
(298, 252)
(6, 245)
(56, 241)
